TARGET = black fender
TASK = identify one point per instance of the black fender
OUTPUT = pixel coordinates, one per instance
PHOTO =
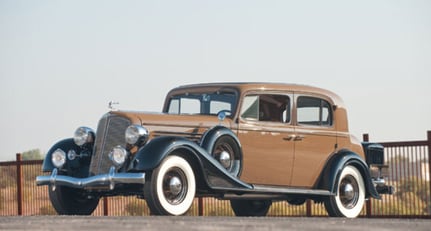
(65, 145)
(215, 175)
(334, 166)
(210, 137)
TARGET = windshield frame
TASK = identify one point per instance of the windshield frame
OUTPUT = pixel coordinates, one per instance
(205, 97)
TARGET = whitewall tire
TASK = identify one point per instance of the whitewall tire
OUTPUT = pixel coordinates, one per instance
(171, 188)
(350, 196)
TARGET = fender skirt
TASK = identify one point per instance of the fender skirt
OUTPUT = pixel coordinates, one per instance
(215, 175)
(331, 174)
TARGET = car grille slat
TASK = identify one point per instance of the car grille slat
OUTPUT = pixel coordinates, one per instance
(110, 133)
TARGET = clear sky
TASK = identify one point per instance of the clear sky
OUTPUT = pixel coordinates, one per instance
(61, 62)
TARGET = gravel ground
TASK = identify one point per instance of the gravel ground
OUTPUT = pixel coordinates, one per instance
(66, 223)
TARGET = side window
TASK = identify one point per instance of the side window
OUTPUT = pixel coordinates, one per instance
(266, 107)
(250, 107)
(174, 106)
(313, 111)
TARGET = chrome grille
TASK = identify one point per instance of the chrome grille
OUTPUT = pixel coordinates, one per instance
(110, 133)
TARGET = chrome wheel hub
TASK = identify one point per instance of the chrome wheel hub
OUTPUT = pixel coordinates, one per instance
(225, 159)
(175, 185)
(349, 192)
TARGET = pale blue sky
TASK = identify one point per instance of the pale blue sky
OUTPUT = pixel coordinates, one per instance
(62, 61)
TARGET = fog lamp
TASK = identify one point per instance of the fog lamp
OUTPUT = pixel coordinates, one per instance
(58, 158)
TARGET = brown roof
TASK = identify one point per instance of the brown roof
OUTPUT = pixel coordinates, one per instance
(247, 86)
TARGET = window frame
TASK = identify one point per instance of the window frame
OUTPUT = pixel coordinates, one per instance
(322, 103)
(203, 106)
(289, 107)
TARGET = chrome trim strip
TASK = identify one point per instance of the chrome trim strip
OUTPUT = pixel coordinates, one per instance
(104, 180)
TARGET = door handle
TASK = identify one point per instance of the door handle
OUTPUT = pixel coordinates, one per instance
(293, 137)
(289, 137)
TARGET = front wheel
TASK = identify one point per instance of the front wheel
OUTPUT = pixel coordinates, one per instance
(250, 208)
(171, 188)
(71, 201)
(350, 196)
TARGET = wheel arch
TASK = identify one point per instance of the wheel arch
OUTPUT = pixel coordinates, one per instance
(332, 171)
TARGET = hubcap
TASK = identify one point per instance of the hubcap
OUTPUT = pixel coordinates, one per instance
(225, 159)
(224, 153)
(175, 186)
(349, 192)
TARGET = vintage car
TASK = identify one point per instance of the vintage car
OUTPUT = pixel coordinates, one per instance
(250, 143)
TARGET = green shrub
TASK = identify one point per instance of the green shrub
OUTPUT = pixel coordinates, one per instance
(47, 210)
(136, 208)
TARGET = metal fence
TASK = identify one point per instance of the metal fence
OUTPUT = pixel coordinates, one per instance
(409, 173)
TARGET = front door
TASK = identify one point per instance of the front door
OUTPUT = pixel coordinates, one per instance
(265, 131)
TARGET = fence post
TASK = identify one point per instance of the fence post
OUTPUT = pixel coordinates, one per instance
(105, 206)
(308, 208)
(429, 156)
(19, 183)
(200, 206)
(366, 138)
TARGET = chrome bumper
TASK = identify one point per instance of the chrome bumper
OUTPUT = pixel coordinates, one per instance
(107, 181)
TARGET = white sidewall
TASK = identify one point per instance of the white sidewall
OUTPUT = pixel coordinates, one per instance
(355, 211)
(183, 207)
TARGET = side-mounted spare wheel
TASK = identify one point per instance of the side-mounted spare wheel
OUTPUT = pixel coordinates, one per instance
(171, 188)
(228, 153)
(350, 197)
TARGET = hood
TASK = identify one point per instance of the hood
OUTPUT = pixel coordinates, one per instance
(162, 124)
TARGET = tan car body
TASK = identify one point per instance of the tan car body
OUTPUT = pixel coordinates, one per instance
(270, 156)
(251, 143)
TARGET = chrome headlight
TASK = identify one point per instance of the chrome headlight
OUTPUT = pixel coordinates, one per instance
(136, 134)
(58, 158)
(83, 135)
(118, 155)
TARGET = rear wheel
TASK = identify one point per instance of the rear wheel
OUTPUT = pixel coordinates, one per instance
(250, 208)
(171, 187)
(71, 201)
(350, 196)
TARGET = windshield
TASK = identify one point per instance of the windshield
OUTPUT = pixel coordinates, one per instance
(208, 103)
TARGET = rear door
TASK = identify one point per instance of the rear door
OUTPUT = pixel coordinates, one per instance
(315, 138)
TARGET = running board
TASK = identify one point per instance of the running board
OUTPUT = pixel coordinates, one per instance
(263, 191)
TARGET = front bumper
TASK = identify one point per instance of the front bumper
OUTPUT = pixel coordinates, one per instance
(103, 181)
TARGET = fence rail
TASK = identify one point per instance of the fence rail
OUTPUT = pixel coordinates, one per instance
(409, 173)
